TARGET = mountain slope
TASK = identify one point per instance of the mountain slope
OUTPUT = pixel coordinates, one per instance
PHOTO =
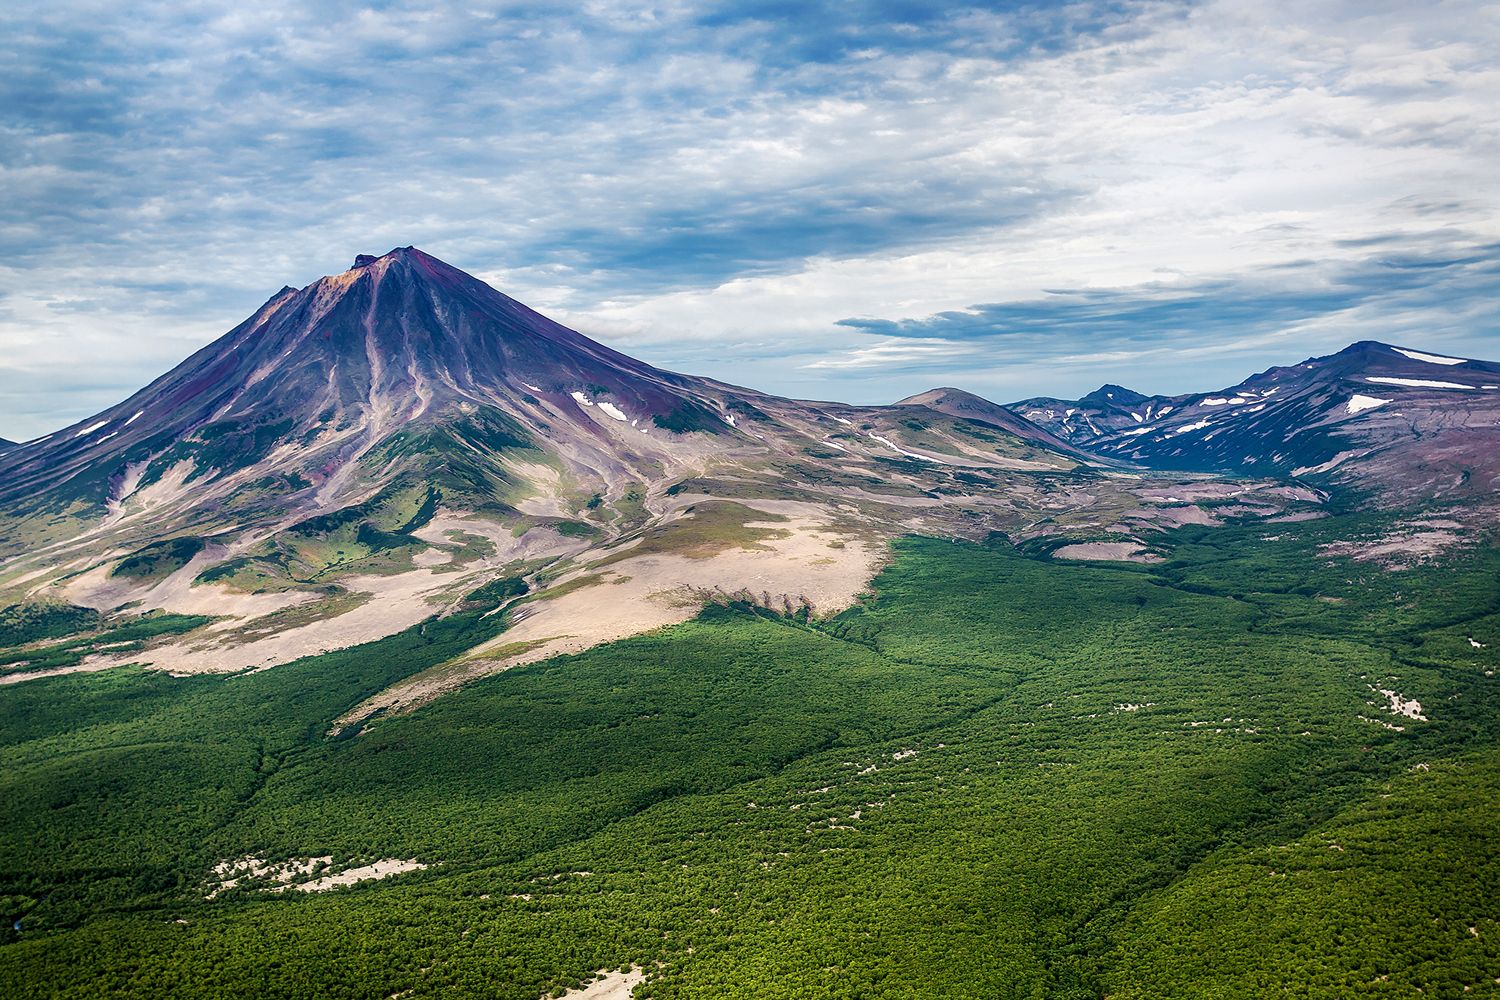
(967, 406)
(365, 452)
(1401, 423)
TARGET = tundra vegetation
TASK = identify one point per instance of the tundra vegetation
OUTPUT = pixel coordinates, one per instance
(1255, 768)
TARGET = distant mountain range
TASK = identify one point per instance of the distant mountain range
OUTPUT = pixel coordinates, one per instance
(1408, 424)
(364, 452)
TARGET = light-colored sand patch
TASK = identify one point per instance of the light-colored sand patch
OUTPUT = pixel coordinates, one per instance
(428, 558)
(610, 986)
(1112, 551)
(1175, 516)
(537, 543)
(802, 563)
(364, 873)
(1383, 724)
(1417, 542)
(177, 593)
(296, 874)
(397, 602)
(810, 566)
(393, 603)
(229, 874)
(1409, 707)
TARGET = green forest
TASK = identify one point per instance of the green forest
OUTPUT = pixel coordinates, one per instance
(998, 776)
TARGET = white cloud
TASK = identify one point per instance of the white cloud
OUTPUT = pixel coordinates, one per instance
(698, 196)
(892, 353)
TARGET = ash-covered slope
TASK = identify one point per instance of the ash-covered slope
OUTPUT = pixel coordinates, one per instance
(1406, 423)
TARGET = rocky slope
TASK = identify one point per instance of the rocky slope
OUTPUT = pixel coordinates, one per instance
(1404, 425)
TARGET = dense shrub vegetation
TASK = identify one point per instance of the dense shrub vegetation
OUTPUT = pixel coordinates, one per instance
(999, 777)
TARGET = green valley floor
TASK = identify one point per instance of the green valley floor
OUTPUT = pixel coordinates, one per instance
(1256, 769)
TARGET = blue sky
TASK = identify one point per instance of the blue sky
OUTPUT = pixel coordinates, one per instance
(849, 200)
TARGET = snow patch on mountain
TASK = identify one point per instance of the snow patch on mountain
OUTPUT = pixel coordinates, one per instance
(909, 454)
(1432, 359)
(1417, 383)
(1359, 403)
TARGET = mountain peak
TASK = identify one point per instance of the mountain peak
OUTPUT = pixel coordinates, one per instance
(398, 343)
(397, 253)
(936, 394)
(1117, 395)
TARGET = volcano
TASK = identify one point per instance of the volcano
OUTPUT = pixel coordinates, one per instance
(366, 451)
(340, 381)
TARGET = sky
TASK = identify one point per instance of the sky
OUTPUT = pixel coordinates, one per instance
(855, 200)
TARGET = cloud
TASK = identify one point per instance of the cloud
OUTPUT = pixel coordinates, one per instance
(715, 186)
(893, 354)
(1206, 333)
(1222, 312)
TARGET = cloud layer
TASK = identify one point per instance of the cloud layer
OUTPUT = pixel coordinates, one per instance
(856, 200)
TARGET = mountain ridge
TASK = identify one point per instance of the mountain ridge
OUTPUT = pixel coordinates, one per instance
(1406, 424)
